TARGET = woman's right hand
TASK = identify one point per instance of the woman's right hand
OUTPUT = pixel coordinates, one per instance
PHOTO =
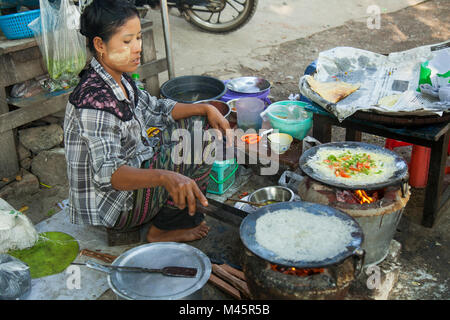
(183, 190)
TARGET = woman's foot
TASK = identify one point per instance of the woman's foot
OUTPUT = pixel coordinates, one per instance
(181, 235)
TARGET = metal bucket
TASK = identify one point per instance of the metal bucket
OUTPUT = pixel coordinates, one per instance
(378, 232)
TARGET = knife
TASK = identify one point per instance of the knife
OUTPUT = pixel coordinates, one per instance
(172, 271)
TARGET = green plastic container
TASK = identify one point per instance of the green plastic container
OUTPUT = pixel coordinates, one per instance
(290, 117)
(222, 176)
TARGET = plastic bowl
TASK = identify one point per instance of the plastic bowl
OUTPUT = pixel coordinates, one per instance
(191, 89)
(281, 118)
(279, 142)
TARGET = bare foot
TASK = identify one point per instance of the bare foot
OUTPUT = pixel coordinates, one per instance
(181, 235)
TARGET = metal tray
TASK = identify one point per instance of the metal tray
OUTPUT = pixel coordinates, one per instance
(156, 286)
(248, 85)
(400, 175)
(248, 234)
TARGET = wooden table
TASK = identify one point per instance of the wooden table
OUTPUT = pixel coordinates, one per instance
(434, 136)
(21, 60)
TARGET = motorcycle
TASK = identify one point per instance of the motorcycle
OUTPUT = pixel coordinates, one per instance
(216, 16)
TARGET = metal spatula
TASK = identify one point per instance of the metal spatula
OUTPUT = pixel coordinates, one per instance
(172, 271)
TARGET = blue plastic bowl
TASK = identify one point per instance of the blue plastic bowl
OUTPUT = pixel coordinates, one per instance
(290, 117)
(15, 26)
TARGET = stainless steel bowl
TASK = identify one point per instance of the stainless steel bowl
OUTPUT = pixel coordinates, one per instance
(248, 85)
(232, 105)
(223, 107)
(272, 193)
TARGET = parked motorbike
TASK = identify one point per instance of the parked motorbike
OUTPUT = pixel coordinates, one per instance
(217, 16)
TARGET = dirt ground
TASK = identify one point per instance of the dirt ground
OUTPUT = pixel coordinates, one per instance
(425, 254)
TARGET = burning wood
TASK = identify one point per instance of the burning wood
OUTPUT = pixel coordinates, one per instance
(363, 197)
(357, 196)
(296, 271)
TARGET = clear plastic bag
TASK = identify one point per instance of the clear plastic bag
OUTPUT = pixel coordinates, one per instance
(62, 46)
(16, 230)
(15, 279)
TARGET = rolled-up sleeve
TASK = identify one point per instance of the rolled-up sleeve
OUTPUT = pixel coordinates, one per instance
(156, 112)
(102, 135)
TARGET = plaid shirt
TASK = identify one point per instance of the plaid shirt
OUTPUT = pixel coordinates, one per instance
(97, 143)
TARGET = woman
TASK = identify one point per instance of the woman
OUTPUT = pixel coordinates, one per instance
(120, 176)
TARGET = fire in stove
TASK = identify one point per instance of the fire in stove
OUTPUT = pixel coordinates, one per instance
(358, 196)
(296, 271)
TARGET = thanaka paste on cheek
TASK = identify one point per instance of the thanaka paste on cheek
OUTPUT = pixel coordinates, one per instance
(120, 56)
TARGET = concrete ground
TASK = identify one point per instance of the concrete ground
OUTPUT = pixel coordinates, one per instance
(275, 22)
(289, 36)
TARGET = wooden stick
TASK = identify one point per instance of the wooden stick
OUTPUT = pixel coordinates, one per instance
(236, 282)
(225, 287)
(98, 255)
(235, 272)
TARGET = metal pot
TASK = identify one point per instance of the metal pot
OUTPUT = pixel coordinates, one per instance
(156, 286)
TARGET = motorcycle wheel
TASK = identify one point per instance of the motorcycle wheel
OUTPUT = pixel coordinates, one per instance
(221, 16)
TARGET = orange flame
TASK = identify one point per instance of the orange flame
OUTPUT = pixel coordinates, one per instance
(363, 197)
(295, 271)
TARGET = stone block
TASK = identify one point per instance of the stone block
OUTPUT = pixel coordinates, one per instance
(25, 163)
(41, 138)
(50, 167)
(22, 152)
(28, 184)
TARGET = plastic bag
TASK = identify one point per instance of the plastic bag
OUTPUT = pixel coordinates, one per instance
(16, 230)
(62, 46)
(27, 89)
(15, 279)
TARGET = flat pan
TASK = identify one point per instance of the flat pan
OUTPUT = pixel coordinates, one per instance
(156, 286)
(248, 234)
(399, 175)
(248, 85)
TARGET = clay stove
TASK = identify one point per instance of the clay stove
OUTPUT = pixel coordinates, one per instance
(378, 212)
(268, 281)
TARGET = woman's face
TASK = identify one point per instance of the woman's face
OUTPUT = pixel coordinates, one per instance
(122, 53)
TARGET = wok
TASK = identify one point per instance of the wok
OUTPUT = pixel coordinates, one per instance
(399, 175)
(248, 235)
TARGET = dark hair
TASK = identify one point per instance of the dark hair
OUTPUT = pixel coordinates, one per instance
(102, 18)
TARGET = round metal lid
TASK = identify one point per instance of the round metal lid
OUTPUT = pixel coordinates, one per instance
(248, 85)
(156, 286)
(248, 234)
(399, 175)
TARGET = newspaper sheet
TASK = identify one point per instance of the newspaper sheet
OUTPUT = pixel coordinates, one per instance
(394, 77)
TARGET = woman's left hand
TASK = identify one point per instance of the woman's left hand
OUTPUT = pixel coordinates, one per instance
(218, 121)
